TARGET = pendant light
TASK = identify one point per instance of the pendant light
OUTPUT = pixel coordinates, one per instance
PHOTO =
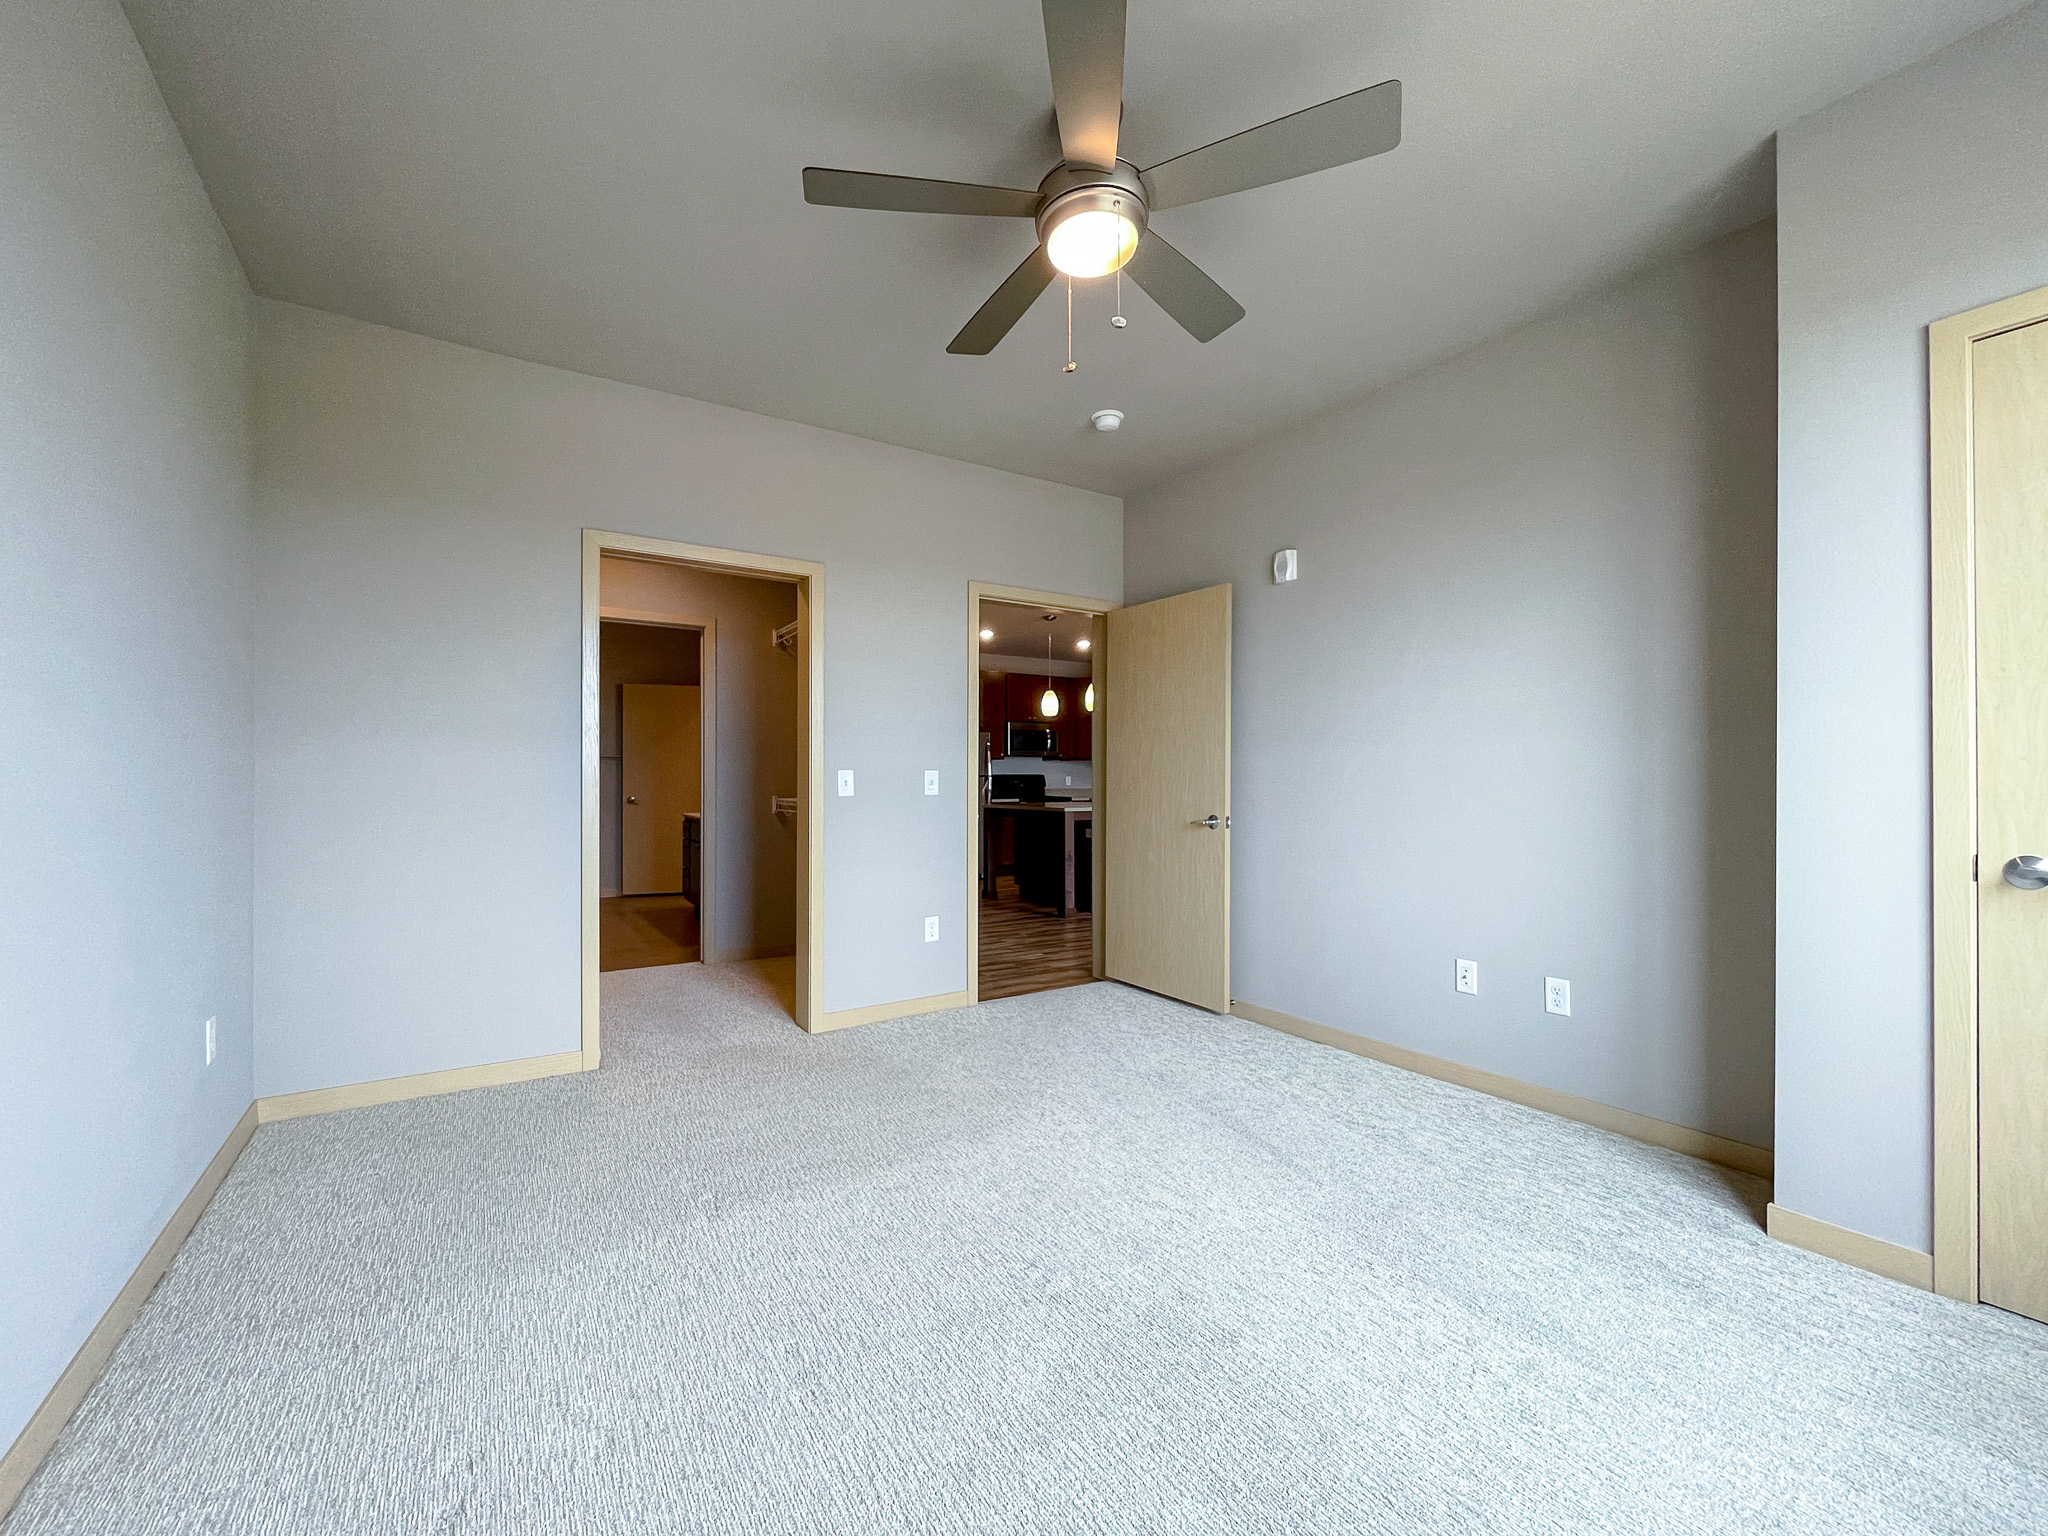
(1049, 702)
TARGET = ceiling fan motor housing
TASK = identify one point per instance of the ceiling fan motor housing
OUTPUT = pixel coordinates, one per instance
(1070, 189)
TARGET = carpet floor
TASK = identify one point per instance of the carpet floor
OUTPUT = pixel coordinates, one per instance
(1084, 1261)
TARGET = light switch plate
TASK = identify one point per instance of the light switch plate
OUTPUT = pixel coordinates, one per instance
(1557, 995)
(1468, 976)
(931, 930)
(846, 781)
(931, 781)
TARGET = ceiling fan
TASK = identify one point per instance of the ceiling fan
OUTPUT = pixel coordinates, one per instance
(1092, 209)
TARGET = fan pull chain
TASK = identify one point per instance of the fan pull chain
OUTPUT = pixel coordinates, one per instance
(1117, 319)
(1070, 325)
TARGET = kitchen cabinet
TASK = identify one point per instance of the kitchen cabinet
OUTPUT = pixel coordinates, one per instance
(1016, 697)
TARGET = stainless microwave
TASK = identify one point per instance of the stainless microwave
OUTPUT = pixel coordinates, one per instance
(1022, 740)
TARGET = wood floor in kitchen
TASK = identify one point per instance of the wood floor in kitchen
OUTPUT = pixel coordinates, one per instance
(1028, 948)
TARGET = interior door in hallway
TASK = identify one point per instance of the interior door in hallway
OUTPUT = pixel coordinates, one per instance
(2009, 433)
(1165, 832)
(661, 781)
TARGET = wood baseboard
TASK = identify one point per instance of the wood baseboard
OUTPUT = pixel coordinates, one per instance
(62, 1400)
(421, 1085)
(1706, 1146)
(876, 1013)
(1908, 1266)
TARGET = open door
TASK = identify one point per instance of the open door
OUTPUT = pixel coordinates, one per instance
(1166, 830)
(661, 773)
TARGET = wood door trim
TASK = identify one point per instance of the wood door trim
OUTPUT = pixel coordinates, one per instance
(970, 778)
(1953, 657)
(809, 578)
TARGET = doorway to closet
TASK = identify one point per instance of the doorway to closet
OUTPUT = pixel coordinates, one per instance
(702, 728)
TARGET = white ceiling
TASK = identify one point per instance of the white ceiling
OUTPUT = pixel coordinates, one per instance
(1021, 630)
(612, 186)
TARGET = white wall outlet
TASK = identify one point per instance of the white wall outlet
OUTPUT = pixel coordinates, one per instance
(931, 781)
(1468, 976)
(209, 1042)
(846, 781)
(1557, 995)
(1286, 566)
(931, 930)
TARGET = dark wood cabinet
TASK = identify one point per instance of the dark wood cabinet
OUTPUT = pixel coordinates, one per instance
(995, 708)
(1017, 696)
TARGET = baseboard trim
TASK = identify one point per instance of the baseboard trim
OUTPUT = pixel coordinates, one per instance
(1908, 1266)
(1706, 1146)
(877, 1013)
(421, 1085)
(62, 1400)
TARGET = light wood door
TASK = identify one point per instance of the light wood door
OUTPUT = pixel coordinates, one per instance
(1165, 706)
(2009, 433)
(661, 749)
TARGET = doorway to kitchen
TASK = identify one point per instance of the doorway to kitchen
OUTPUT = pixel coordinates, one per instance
(1034, 752)
(702, 735)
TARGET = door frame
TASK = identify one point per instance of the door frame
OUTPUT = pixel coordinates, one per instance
(706, 631)
(1952, 644)
(808, 577)
(1099, 736)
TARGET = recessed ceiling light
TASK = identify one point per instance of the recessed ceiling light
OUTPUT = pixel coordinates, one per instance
(1081, 645)
(988, 634)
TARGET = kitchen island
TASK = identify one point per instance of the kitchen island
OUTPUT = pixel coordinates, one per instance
(1045, 835)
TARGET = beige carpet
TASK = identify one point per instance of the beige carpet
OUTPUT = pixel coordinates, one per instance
(1084, 1261)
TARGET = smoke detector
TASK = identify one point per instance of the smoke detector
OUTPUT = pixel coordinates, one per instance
(1107, 421)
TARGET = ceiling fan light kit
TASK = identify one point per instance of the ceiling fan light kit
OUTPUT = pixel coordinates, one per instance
(1093, 210)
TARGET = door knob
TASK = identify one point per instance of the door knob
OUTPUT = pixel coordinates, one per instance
(632, 799)
(1213, 822)
(2029, 872)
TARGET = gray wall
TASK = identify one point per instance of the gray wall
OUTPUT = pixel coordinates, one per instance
(1518, 707)
(1918, 197)
(753, 908)
(419, 508)
(124, 679)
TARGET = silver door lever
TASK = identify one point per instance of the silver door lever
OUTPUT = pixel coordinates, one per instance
(1213, 822)
(2029, 872)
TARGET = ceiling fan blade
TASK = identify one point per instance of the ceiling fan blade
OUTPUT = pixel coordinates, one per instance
(1182, 289)
(1084, 41)
(1365, 123)
(1005, 307)
(914, 194)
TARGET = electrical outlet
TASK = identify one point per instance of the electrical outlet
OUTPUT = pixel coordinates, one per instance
(846, 781)
(1557, 995)
(209, 1042)
(931, 781)
(931, 930)
(1468, 976)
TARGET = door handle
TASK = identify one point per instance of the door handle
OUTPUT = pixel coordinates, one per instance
(1213, 822)
(632, 799)
(2029, 872)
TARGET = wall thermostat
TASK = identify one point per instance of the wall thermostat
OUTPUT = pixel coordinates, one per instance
(1284, 566)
